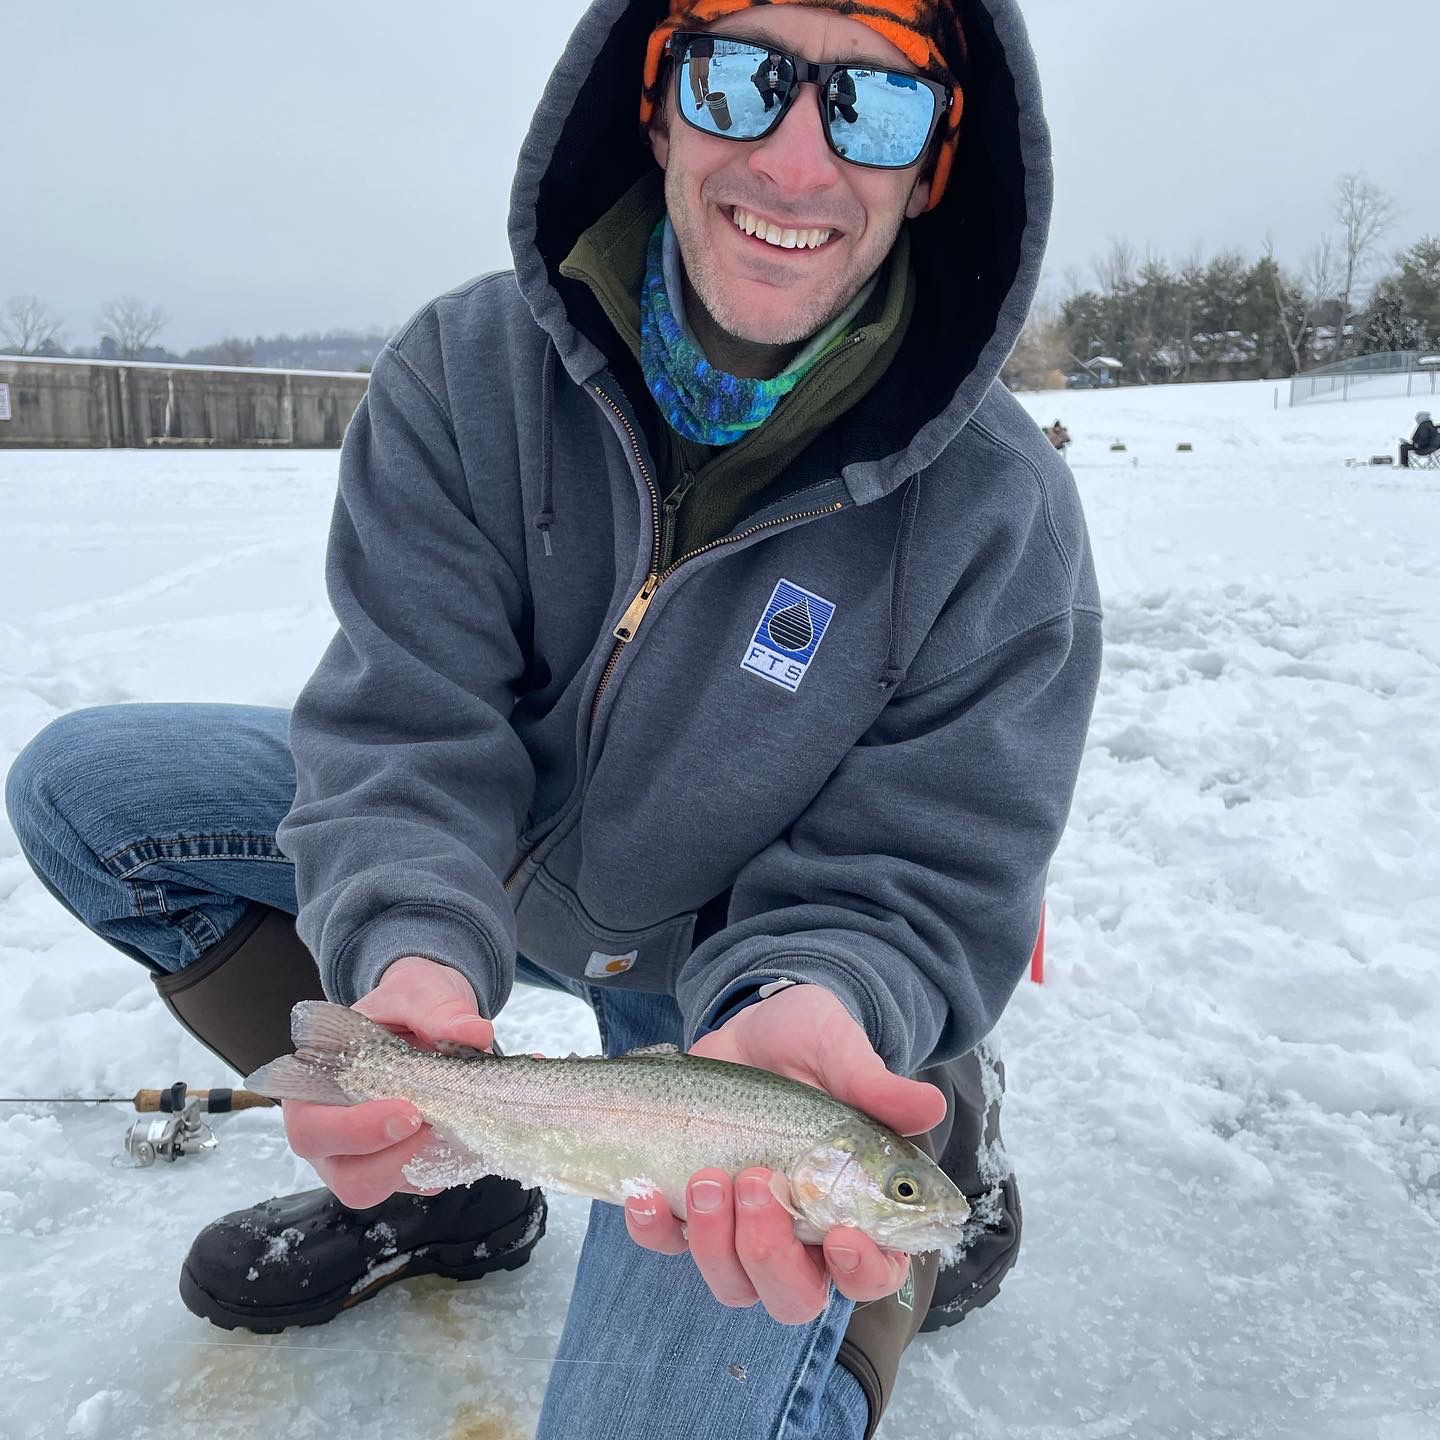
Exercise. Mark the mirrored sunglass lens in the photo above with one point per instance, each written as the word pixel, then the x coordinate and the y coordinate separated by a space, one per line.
pixel 879 117
pixel 733 89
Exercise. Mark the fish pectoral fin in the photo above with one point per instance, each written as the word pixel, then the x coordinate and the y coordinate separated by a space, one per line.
pixel 666 1049
pixel 780 1189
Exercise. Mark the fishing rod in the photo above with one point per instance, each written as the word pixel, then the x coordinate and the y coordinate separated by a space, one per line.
pixel 177 1131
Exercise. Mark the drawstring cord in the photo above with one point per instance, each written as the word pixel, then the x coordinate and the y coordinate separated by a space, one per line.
pixel 891 675
pixel 546 516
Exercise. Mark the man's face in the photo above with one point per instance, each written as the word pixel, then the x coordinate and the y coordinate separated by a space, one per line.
pixel 754 290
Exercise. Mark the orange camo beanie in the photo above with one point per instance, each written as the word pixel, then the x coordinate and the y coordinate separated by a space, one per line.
pixel 927 32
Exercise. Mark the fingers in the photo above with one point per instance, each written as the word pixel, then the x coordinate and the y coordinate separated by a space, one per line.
pixel 791 1282
pixel 650 1223
pixel 743 1242
pixel 428 1004
pixel 360 1181
pixel 860 1268
pixel 319 1132
pixel 710 1202
pixel 909 1107
pixel 359 1151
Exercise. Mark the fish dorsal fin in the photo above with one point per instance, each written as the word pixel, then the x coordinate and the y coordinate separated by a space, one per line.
pixel 666 1049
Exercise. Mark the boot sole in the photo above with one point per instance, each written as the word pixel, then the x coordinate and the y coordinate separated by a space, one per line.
pixel 450 1262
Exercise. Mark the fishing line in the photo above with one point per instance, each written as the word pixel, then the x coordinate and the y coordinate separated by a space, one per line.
pixel 262 1343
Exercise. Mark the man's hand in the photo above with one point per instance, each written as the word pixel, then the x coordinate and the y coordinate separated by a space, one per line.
pixel 742 1238
pixel 360 1151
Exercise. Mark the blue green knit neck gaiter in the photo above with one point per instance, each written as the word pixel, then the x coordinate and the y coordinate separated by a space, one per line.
pixel 699 401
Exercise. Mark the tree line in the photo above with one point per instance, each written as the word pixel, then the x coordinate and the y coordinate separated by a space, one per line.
pixel 129 330
pixel 1234 317
pixel 1229 317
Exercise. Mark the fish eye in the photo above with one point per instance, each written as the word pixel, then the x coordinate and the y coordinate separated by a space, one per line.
pixel 904 1188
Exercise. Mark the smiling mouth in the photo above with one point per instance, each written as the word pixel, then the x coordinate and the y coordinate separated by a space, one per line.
pixel 778 236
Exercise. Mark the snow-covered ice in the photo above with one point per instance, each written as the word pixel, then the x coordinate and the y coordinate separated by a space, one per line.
pixel 1225 1101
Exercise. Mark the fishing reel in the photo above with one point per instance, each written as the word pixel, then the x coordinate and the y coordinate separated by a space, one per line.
pixel 177 1131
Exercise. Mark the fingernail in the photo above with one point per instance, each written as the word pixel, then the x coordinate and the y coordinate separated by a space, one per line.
pixel 846 1261
pixel 706 1195
pixel 401 1126
pixel 641 1217
pixel 753 1191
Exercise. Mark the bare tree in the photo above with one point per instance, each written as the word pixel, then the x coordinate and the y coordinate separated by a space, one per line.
pixel 1297 303
pixel 27 326
pixel 1365 213
pixel 131 325
pixel 1116 270
pixel 1038 360
pixel 232 350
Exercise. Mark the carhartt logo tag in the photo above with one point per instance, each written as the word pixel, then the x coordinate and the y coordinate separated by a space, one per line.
pixel 599 966
pixel 788 635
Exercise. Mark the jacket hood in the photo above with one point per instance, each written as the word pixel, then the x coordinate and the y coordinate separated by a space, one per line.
pixel 977 255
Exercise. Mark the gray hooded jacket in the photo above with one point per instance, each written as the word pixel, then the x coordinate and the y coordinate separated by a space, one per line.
pixel 838 745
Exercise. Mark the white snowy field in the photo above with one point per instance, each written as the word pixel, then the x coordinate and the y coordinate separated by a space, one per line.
pixel 1225 1100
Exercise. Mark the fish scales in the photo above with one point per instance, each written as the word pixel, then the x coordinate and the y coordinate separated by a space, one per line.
pixel 609 1128
pixel 606 1121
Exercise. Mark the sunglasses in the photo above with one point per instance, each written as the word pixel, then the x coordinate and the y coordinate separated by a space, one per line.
pixel 879 118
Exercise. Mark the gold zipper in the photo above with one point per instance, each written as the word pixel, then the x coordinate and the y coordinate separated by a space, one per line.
pixel 624 632
pixel 635 613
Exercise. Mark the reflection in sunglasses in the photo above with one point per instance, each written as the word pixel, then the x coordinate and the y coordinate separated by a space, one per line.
pixel 740 91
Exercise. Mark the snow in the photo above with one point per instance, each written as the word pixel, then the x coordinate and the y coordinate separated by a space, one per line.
pixel 1224 1107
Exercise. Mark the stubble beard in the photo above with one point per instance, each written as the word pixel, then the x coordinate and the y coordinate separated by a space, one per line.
pixel 815 311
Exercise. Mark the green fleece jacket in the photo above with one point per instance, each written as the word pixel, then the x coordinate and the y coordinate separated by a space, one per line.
pixel 709 489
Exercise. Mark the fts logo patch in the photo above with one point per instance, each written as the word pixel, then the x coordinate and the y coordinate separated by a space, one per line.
pixel 788 635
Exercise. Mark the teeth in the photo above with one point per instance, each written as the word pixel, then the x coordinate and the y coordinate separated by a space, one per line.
pixel 774 235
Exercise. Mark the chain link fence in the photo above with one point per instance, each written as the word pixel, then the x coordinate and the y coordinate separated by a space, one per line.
pixel 1369 377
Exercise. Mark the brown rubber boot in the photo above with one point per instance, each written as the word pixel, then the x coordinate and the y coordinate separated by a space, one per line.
pixel 966 1145
pixel 237 997
pixel 303 1259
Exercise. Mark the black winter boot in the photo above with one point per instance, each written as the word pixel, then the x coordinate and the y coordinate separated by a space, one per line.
pixel 302 1259
pixel 966 1145
pixel 973 1157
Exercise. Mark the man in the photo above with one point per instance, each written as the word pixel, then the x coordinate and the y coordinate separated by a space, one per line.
pixel 700 58
pixel 772 78
pixel 717 643
pixel 1425 440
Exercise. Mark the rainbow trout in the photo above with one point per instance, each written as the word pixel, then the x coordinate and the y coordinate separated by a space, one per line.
pixel 636 1124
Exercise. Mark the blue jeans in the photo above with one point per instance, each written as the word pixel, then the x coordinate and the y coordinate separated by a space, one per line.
pixel 155 825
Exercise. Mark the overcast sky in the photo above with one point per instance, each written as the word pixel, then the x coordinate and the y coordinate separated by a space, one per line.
pixel 293 165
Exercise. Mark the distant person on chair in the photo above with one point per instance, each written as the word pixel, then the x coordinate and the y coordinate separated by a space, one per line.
pixel 1425 441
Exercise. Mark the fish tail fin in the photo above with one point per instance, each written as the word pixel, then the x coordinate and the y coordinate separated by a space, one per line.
pixel 322 1034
